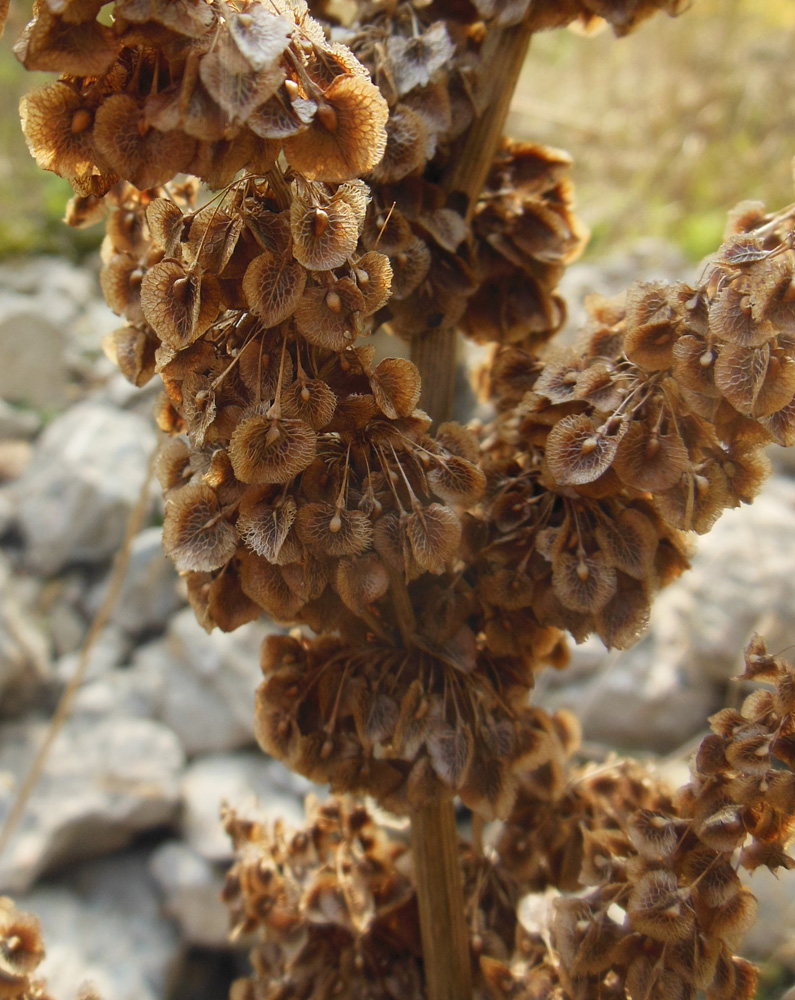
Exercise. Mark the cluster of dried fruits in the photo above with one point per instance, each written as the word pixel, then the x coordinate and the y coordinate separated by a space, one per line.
pixel 664 909
pixel 437 569
pixel 21 952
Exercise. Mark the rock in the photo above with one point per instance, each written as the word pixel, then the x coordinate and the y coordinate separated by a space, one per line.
pixel 150 591
pixel 36 374
pixel 740 582
pixel 244 781
pixel 16 422
pixel 207 697
pixel 105 781
pixel 772 937
pixel 191 887
pixel 85 477
pixel 103 922
pixel 24 650
pixel 639 700
pixel 67 285
pixel 109 650
pixel 128 693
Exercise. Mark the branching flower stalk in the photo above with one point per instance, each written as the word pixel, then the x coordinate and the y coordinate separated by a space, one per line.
pixel 358 181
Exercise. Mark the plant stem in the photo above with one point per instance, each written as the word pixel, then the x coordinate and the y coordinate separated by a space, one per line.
pixel 434 839
pixel 434 351
pixel 437 874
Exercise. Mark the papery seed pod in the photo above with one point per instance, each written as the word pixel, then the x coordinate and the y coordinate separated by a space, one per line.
pixel 271 449
pixel 334 531
pixel 650 460
pixel 166 225
pixel 360 581
pixel 310 400
pixel 265 585
pixel 695 502
pixel 260 35
pixel 53 44
pixel 739 374
pixel 263 527
pixel 140 154
pixel 196 534
pixel 324 235
pixel 323 318
pixel 273 285
pixel 346 138
pixel 373 276
pixel 451 750
pixel 583 583
pixel 212 239
pixel 133 351
pixel 21 950
pixel 658 909
pixel 653 834
pixel 628 542
pixel 58 125
pixel 404 150
pixel 263 368
pixel 457 481
pixel 578 452
pixel 186 17
pixel 434 533
pixel 395 384
pixel 179 304
pixel 232 81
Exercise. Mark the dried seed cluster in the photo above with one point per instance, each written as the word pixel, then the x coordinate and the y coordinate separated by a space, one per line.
pixel 437 570
pixel 332 906
pixel 185 86
pixel 667 910
pixel 652 425
pixel 21 952
pixel 649 903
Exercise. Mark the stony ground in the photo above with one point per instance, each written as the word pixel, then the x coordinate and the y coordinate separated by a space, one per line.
pixel 120 851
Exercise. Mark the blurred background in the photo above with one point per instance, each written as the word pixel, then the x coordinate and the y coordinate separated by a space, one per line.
pixel 668 128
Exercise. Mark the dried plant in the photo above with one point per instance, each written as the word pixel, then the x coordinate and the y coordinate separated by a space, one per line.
pixel 359 181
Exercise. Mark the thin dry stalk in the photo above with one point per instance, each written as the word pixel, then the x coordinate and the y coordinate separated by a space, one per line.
pixel 434 839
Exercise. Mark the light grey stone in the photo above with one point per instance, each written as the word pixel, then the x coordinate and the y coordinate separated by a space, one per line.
pixel 639 699
pixel 103 922
pixel 105 781
pixel 210 680
pixel 772 936
pixel 109 650
pixel 24 650
pixel 34 371
pixel 191 888
pixel 131 692
pixel 43 276
pixel 150 593
pixel 86 475
pixel 740 582
pixel 248 781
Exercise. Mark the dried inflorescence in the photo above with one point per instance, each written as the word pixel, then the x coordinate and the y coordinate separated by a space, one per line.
pixel 332 906
pixel 437 568
pixel 21 952
pixel 651 426
pixel 646 899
